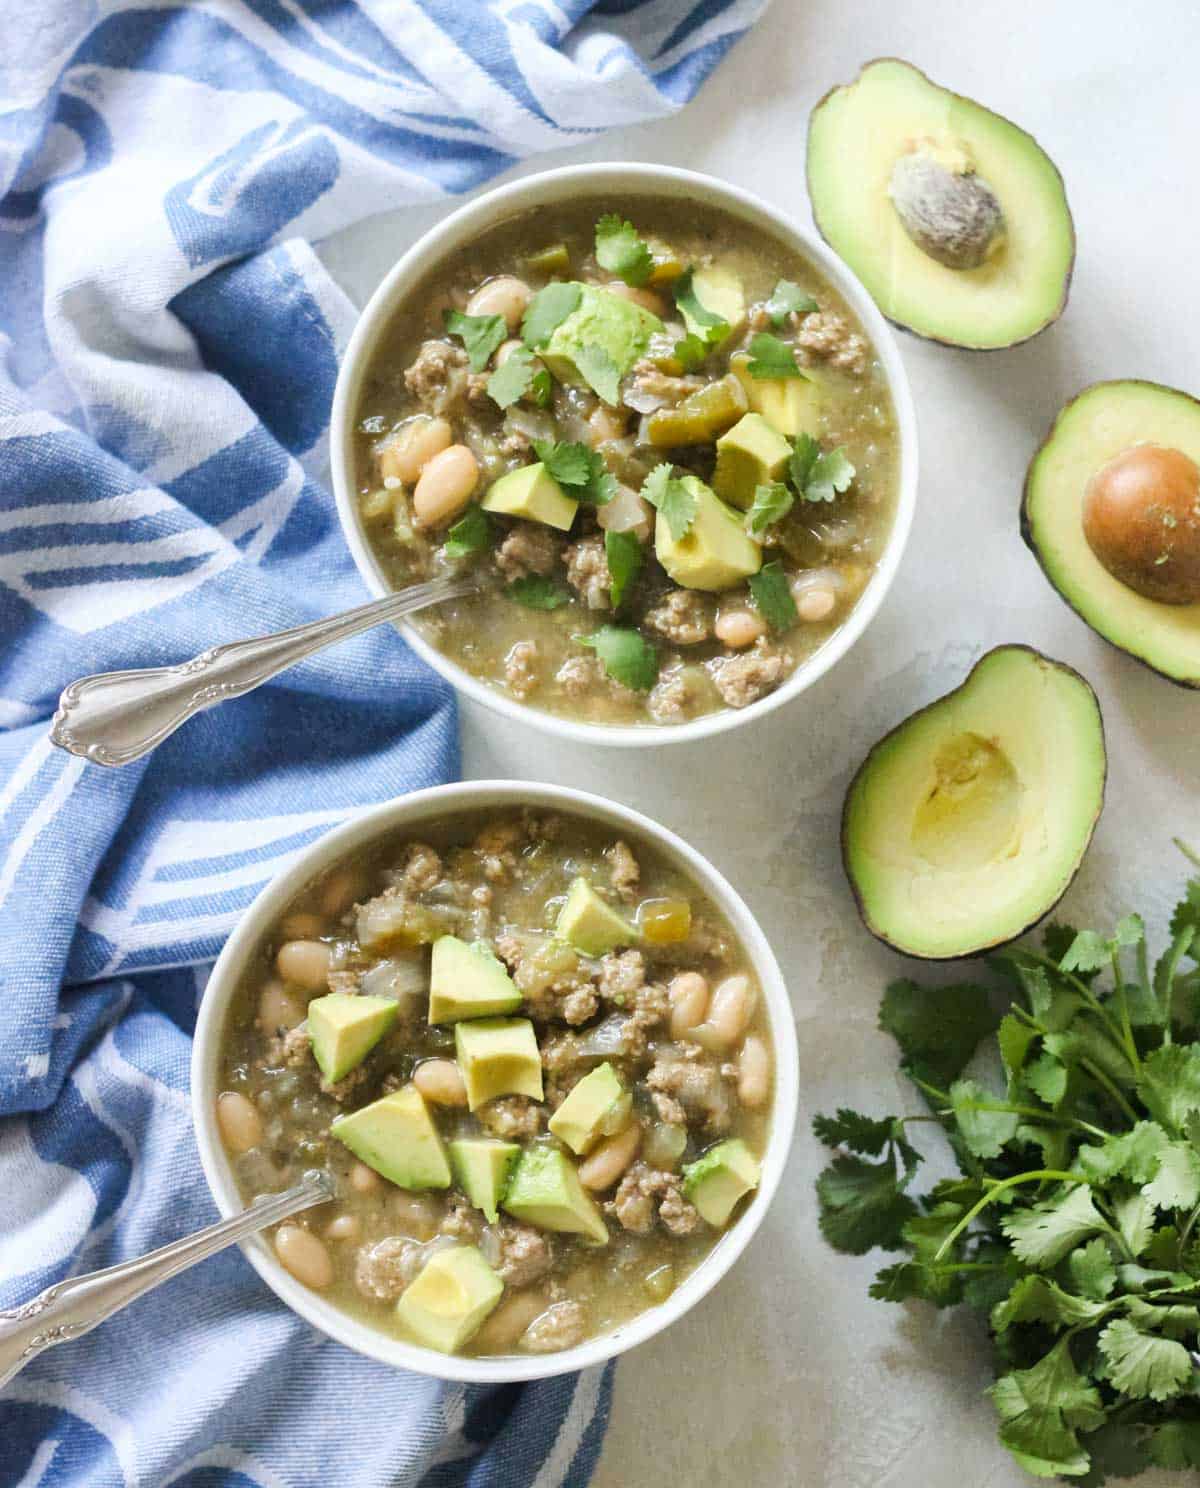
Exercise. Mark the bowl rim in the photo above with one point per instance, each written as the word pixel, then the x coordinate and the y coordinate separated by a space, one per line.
pixel 413 811
pixel 631 178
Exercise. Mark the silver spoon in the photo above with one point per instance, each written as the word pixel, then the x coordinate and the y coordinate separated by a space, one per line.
pixel 116 717
pixel 71 1308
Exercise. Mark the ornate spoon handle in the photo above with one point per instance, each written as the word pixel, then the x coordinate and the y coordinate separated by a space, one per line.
pixel 116 717
pixel 68 1309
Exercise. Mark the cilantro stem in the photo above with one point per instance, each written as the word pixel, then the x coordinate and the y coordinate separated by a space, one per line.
pixel 1110 1089
pixel 1185 1234
pixel 1039 1175
pixel 1082 988
pixel 1126 1025
pixel 1035 1114
pixel 1189 853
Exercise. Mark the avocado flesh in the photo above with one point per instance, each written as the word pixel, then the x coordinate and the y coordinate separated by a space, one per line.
pixel 397 1137
pixel 481 1168
pixel 1097 425
pixel 467 981
pixel 450 1299
pixel 855 136
pixel 966 824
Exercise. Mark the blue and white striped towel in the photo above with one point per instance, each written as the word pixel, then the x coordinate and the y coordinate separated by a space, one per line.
pixel 168 347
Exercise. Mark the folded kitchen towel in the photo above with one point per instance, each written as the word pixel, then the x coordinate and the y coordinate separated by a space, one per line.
pixel 168 347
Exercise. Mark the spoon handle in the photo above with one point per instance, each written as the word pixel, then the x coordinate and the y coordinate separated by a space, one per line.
pixel 114 718
pixel 68 1309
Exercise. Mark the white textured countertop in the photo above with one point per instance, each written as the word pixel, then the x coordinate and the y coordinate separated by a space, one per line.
pixel 789 1374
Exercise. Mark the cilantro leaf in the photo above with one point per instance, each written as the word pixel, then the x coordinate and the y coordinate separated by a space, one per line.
pixel 1092 1270
pixel 984 1129
pixel 600 373
pixel 937 1028
pixel 1047 1077
pixel 472 533
pixel 690 352
pixel 772 596
pixel 625 555
pixel 805 453
pixel 1186 915
pixel 771 358
pixel 671 497
pixel 862 1204
pixel 1117 1451
pixel 1134 1214
pixel 1042 1236
pixel 580 470
pixel 1170 1083
pixel 510 381
pixel 1175 1444
pixel 621 251
pixel 1133 1155
pixel 865 1134
pixel 712 328
pixel 547 310
pixel 627 656
pixel 1141 1365
pixel 1014 1038
pixel 788 299
pixel 1176 1181
pixel 1035 1299
pixel 1040 1411
pixel 480 335
pixel 772 502
pixel 1087 952
pixel 1177 1320
pixel 830 476
pixel 535 592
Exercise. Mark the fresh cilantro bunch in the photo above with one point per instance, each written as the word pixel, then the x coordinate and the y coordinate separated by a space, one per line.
pixel 1074 1221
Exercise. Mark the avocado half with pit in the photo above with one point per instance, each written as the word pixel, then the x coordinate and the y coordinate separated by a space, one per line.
pixel 1112 513
pixel 966 824
pixel 954 219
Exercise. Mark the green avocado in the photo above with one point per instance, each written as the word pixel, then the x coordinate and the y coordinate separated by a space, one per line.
pixel 343 1029
pixel 467 981
pixel 1104 423
pixel 751 454
pixel 716 1181
pixel 450 1299
pixel 604 323
pixel 598 1106
pixel 716 552
pixel 967 823
pixel 591 925
pixel 545 1191
pixel 534 494
pixel 397 1137
pixel 791 405
pixel 498 1056
pixel 955 220
pixel 720 292
pixel 481 1169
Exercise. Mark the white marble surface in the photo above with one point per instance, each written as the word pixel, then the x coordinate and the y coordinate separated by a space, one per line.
pixel 789 1374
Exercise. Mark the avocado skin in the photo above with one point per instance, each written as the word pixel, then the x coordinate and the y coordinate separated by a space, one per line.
pixel 962 97
pixel 1188 683
pixel 992 945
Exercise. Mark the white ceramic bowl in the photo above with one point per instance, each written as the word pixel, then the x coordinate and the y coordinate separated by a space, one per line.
pixel 617 183
pixel 412 814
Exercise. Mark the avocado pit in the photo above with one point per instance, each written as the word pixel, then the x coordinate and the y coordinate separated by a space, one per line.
pixel 1141 519
pixel 946 208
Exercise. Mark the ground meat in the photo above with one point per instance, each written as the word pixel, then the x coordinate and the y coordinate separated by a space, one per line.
pixel 621 975
pixel 422 867
pixel 687 1074
pixel 578 1006
pixel 344 1088
pixel 292 1049
pixel 669 1109
pixel 521 669
pixel 462 1221
pixel 563 1067
pixel 587 572
pixel 496 846
pixel 526 1255
pixel 439 378
pixel 826 335
pixel 647 1193
pixel 561 1326
pixel 623 869
pixel 578 675
pixel 512 1116
pixel 683 617
pixel 675 697
pixel 384 1269
pixel 342 981
pixel 759 318
pixel 648 381
pixel 528 549
pixel 555 983
pixel 744 679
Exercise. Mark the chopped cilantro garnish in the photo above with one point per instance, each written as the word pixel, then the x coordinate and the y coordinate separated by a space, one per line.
pixel 536 592
pixel 672 498
pixel 772 358
pixel 816 476
pixel 547 311
pixel 788 299
pixel 600 373
pixel 470 534
pixel 513 379
pixel 690 352
pixel 480 335
pixel 621 251
pixel 772 502
pixel 627 656
pixel 625 555
pixel 772 596
pixel 713 328
pixel 580 470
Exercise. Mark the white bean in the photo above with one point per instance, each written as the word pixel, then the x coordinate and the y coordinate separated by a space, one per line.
pixel 815 605
pixel 754 1072
pixel 605 1163
pixel 279 1008
pixel 303 925
pixel 404 457
pixel 509 1321
pixel 304 963
pixel 505 295
pixel 364 1179
pixel 646 298
pixel 239 1121
pixel 417 1213
pixel 739 627
pixel 729 1012
pixel 441 1081
pixel 446 485
pixel 688 994
pixel 340 891
pixel 344 1227
pixel 303 1255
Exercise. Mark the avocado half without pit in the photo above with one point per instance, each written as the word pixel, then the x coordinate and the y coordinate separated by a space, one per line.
pixel 1112 514
pixel 954 218
pixel 966 824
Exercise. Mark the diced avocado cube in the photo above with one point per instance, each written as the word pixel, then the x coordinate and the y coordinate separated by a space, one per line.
pixel 716 1181
pixel 498 1056
pixel 556 259
pixel 343 1028
pixel 450 1299
pixel 719 290
pixel 481 1169
pixel 604 321
pixel 751 454
pixel 589 924
pixel 716 552
pixel 702 416
pixel 545 1191
pixel 397 1137
pixel 467 981
pixel 532 493
pixel 791 405
pixel 597 1107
